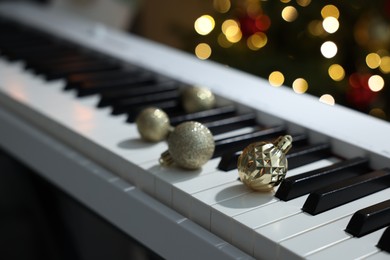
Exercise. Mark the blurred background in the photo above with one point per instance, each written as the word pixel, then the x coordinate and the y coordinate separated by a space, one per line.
pixel 337 51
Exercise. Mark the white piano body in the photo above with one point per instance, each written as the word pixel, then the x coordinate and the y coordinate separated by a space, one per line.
pixel 98 158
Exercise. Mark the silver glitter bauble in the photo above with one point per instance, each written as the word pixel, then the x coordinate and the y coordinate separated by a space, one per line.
pixel 263 165
pixel 190 146
pixel 153 124
pixel 195 99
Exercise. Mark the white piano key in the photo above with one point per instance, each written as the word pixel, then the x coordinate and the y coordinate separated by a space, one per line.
pixel 268 238
pixel 182 191
pixel 312 241
pixel 353 248
pixel 222 213
pixel 381 255
pixel 167 176
pixel 200 210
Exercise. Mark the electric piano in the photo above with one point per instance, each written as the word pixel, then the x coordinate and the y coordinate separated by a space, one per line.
pixel 69 92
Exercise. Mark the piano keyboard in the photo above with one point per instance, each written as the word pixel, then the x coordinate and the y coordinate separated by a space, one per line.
pixel 73 88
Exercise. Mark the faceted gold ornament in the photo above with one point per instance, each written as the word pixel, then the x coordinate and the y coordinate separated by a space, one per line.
pixel 190 146
pixel 263 165
pixel 195 99
pixel 153 124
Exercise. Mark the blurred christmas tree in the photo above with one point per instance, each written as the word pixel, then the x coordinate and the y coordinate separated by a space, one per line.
pixel 336 50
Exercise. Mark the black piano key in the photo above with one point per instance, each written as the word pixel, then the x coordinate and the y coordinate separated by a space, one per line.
pixel 57 59
pixel 231 123
pixel 32 52
pixel 203 116
pixel 384 241
pixel 110 97
pixel 298 185
pixel 100 86
pixel 369 219
pixel 300 156
pixel 78 67
pixel 296 157
pixel 129 104
pixel 236 143
pixel 346 191
pixel 167 106
pixel 77 80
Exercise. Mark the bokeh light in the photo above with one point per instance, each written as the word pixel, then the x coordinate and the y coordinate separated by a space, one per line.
pixel 330 11
pixel 203 51
pixel 257 41
pixel 330 24
pixel 329 49
pixel 300 85
pixel 376 83
pixel 289 13
pixel 222 6
pixel 336 72
pixel 204 24
pixel 373 60
pixel 327 99
pixel 385 64
pixel 276 79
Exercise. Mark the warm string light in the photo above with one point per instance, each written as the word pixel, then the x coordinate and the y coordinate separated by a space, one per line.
pixel 233 32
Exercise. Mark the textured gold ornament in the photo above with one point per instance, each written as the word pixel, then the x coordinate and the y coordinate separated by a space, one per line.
pixel 263 165
pixel 153 124
pixel 195 99
pixel 190 146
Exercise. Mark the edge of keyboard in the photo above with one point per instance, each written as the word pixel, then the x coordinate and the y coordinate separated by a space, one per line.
pixel 75 129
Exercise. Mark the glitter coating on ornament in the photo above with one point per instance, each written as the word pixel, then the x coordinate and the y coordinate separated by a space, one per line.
pixel 190 146
pixel 263 165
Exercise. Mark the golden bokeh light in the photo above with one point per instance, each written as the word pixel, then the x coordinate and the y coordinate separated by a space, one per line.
pixel 336 72
pixel 378 112
pixel 289 13
pixel 223 42
pixel 385 64
pixel 373 60
pixel 315 28
pixel 222 6
pixel 204 24
pixel 376 83
pixel 330 11
pixel 276 79
pixel 203 51
pixel 303 3
pixel 300 85
pixel 257 41
pixel 329 49
pixel 330 24
pixel 232 31
pixel 285 1
pixel 327 99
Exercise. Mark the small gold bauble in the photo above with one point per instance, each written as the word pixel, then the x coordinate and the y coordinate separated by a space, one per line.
pixel 195 99
pixel 153 124
pixel 263 165
pixel 190 146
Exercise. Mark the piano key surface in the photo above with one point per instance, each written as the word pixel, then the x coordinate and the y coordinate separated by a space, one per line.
pixel 259 224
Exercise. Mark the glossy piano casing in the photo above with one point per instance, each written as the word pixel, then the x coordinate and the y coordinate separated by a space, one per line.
pixel 99 159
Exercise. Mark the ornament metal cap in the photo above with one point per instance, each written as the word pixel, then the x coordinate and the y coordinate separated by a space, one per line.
pixel 190 146
pixel 263 165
